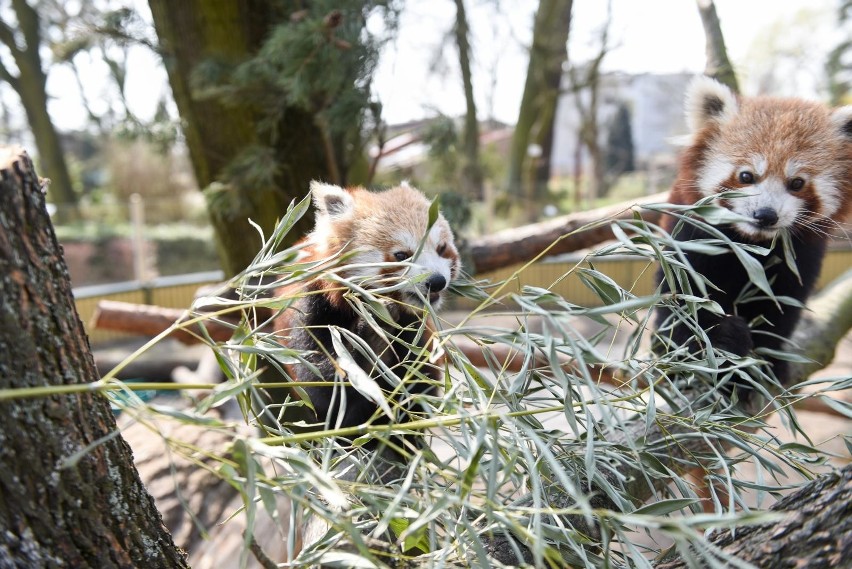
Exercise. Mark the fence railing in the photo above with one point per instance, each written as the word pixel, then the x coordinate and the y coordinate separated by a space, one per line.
pixel 630 273
pixel 170 292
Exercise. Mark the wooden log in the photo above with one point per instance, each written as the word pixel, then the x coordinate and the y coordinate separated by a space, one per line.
pixel 147 320
pixel 563 234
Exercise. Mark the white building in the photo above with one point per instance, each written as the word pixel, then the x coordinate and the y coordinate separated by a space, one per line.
pixel 657 118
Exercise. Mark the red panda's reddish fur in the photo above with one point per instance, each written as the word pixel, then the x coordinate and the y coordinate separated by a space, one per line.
pixel 792 160
pixel 782 128
pixel 372 227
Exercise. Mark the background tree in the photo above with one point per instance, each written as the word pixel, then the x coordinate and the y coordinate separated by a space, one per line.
pixel 471 171
pixel 272 96
pixel 839 64
pixel 618 157
pixel 23 39
pixel 718 64
pixel 537 111
pixel 105 34
pixel 586 85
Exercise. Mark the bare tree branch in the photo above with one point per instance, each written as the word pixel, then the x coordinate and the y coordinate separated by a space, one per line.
pixel 718 65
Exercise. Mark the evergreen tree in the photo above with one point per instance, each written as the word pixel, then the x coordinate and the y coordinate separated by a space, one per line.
pixel 619 144
pixel 273 94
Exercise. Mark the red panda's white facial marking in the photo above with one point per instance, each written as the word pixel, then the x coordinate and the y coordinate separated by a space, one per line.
pixel 769 205
pixel 790 158
pixel 386 227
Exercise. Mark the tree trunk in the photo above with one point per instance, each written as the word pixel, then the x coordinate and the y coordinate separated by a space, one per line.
pixel 471 173
pixel 226 33
pixel 816 531
pixel 589 129
pixel 69 493
pixel 30 84
pixel 541 89
pixel 718 65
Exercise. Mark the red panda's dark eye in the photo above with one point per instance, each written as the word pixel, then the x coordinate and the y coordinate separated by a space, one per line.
pixel 795 184
pixel 746 178
pixel 401 255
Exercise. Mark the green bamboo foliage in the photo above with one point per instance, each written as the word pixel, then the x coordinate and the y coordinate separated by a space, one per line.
pixel 542 456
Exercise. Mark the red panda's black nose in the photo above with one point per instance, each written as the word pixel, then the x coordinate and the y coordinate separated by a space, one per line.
pixel 435 283
pixel 765 217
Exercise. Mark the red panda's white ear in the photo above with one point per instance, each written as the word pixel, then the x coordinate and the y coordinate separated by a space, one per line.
pixel 708 101
pixel 331 200
pixel 842 117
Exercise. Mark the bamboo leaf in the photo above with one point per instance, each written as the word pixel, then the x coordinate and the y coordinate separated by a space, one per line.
pixel 665 507
pixel 357 377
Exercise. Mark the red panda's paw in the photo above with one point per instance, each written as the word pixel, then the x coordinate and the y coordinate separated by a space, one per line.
pixel 732 334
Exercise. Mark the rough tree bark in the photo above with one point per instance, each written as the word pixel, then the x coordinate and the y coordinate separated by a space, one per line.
pixel 69 493
pixel 816 531
pixel 718 65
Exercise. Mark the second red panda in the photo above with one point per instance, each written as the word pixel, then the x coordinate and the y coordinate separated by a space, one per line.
pixel 377 230
pixel 793 161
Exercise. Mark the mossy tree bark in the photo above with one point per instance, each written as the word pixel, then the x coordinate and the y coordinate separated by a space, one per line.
pixel 471 174
pixel 541 93
pixel 223 33
pixel 31 85
pixel 718 65
pixel 69 493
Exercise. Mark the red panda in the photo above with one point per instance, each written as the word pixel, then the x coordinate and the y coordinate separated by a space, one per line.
pixel 393 246
pixel 793 161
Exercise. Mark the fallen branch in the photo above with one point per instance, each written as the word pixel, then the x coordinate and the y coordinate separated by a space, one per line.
pixel 147 320
pixel 826 325
pixel 555 236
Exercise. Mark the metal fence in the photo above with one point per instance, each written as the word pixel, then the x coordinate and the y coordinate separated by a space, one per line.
pixel 169 292
pixel 635 275
pixel 556 275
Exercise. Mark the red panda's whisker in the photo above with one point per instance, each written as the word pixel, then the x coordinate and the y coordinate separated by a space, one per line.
pixel 750 145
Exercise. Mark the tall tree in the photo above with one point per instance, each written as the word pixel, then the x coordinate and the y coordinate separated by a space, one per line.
pixel 272 94
pixel 69 493
pixel 618 157
pixel 471 170
pixel 24 41
pixel 106 34
pixel 534 128
pixel 718 65
pixel 839 63
pixel 586 86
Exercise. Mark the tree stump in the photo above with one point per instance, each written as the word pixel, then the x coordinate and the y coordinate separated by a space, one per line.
pixel 69 493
